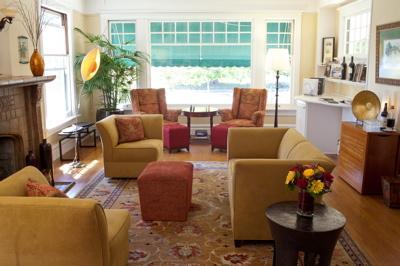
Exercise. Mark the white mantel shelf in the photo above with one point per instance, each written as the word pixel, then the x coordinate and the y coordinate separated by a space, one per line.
pixel 23 81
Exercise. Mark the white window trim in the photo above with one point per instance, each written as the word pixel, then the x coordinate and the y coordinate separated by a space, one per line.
pixel 346 11
pixel 258 45
pixel 49 131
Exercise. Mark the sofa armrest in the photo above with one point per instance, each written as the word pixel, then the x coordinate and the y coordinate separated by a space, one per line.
pixel 14 185
pixel 109 135
pixel 153 126
pixel 173 115
pixel 254 142
pixel 258 118
pixel 226 114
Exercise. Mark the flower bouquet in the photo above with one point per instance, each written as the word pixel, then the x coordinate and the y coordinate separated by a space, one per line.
pixel 313 181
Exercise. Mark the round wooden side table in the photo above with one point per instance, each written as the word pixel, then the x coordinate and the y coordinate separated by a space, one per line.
pixel 316 236
pixel 200 112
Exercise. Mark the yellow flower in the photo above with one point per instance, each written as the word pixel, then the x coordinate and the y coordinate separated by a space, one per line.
pixel 321 169
pixel 308 173
pixel 290 177
pixel 316 186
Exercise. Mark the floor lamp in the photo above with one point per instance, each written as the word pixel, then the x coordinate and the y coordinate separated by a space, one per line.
pixel 89 67
pixel 277 61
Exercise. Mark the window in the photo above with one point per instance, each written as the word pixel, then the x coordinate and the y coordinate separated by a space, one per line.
pixel 279 35
pixel 122 33
pixel 357 35
pixel 59 95
pixel 199 62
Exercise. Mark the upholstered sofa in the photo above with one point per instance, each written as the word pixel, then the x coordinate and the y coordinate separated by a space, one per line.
pixel 129 159
pixel 58 231
pixel 259 160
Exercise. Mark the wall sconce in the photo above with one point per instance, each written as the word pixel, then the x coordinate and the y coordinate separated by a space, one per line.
pixel 9 16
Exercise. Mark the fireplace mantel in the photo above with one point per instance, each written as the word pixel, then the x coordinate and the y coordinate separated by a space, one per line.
pixel 31 113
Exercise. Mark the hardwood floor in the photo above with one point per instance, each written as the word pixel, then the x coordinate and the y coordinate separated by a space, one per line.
pixel 372 225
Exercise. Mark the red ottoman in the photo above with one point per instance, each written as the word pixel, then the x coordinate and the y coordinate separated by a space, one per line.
pixel 165 191
pixel 219 135
pixel 176 136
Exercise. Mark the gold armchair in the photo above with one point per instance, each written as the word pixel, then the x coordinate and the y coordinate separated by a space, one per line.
pixel 129 159
pixel 248 108
pixel 152 101
pixel 58 231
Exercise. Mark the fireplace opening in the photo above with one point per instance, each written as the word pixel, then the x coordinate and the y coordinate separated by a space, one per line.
pixel 11 154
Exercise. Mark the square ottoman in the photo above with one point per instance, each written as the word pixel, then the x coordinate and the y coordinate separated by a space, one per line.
pixel 176 136
pixel 219 136
pixel 165 191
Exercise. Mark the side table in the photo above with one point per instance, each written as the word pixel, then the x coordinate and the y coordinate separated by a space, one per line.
pixel 316 236
pixel 78 132
pixel 200 112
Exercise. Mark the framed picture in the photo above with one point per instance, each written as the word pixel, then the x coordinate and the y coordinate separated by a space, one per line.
pixel 328 49
pixel 388 54
pixel 23 49
pixel 336 71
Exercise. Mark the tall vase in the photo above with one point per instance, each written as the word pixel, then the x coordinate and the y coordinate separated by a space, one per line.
pixel 305 205
pixel 37 63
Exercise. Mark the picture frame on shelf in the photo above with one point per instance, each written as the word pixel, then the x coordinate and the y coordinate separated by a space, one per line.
pixel 388 54
pixel 336 71
pixel 23 52
pixel 328 49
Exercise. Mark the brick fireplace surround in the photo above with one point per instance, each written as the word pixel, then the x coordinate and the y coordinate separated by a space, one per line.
pixel 20 110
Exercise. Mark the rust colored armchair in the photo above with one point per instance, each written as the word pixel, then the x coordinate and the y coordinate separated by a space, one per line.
pixel 152 101
pixel 248 108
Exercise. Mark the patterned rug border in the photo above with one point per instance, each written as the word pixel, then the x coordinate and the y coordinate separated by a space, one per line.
pixel 345 240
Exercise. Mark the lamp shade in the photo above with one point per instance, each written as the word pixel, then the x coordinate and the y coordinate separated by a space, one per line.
pixel 90 64
pixel 277 59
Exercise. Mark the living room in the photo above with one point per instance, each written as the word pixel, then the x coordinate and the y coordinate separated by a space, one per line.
pixel 199 132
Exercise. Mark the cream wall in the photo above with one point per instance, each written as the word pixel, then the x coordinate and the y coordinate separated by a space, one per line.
pixel 308 45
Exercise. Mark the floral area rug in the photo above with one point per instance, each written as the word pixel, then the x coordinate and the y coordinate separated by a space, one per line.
pixel 206 237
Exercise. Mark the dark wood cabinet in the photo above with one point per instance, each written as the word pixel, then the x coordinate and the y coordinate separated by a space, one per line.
pixel 364 157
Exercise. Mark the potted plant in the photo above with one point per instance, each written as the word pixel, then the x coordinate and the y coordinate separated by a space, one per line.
pixel 119 68
pixel 312 181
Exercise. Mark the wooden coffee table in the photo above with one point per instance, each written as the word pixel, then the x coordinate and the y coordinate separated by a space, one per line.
pixel 293 233
pixel 200 112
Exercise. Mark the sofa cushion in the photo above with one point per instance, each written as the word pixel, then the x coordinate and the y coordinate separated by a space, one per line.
pixel 289 141
pixel 118 222
pixel 129 129
pixel 34 189
pixel 306 151
pixel 140 151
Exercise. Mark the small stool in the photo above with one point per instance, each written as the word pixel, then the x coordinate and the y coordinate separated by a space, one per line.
pixel 176 136
pixel 391 191
pixel 165 191
pixel 219 136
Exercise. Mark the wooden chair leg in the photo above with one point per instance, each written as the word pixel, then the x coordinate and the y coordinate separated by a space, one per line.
pixel 238 243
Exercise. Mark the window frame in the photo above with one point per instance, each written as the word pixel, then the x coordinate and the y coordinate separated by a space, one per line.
pixel 258 42
pixel 67 14
pixel 346 12
pixel 123 33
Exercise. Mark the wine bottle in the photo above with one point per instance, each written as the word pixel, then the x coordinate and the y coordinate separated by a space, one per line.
pixel 344 68
pixel 352 67
pixel 384 115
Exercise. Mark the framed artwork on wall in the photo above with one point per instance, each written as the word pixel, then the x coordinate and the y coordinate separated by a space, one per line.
pixel 388 54
pixel 23 49
pixel 328 49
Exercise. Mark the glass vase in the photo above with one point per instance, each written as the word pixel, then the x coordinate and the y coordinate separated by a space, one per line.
pixel 305 207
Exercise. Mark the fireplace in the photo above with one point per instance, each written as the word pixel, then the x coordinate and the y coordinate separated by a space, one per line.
pixel 11 154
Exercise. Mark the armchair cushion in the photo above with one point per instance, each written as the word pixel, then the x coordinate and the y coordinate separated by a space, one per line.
pixel 249 103
pixel 239 123
pixel 226 114
pixel 34 189
pixel 139 151
pixel 148 101
pixel 129 129
pixel 172 115
pixel 118 222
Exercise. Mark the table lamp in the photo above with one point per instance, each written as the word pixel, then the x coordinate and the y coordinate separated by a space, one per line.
pixel 277 60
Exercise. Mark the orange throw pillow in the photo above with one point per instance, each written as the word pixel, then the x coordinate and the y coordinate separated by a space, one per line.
pixel 34 189
pixel 129 129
